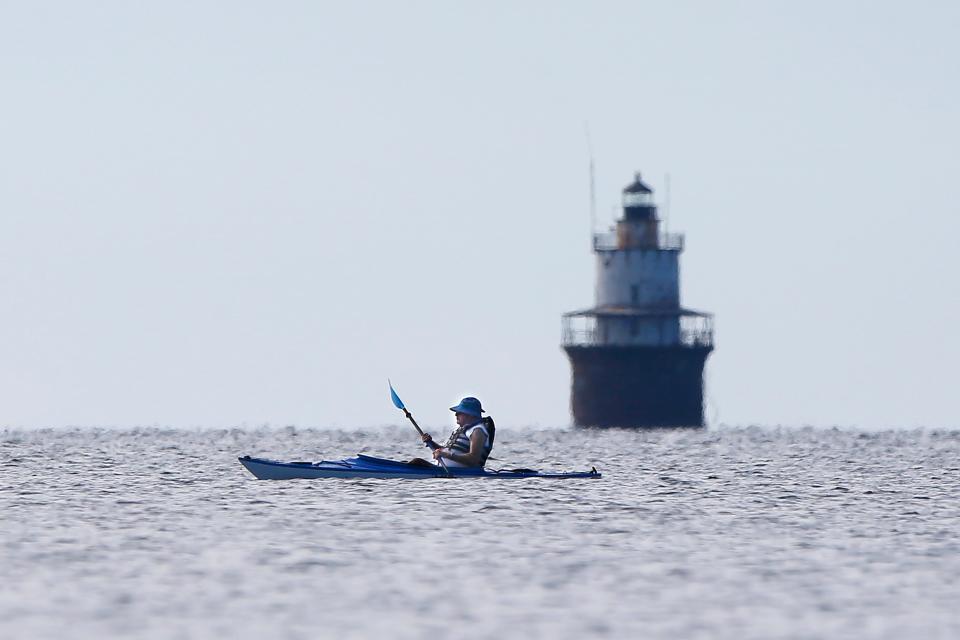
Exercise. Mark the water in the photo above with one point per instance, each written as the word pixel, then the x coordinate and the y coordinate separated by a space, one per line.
pixel 727 533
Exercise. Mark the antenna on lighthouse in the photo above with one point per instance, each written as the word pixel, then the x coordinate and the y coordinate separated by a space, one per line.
pixel 593 188
pixel 666 205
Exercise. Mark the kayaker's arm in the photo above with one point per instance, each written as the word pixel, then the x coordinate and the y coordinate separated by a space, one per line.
pixel 428 440
pixel 473 458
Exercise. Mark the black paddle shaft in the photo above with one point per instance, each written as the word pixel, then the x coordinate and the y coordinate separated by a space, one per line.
pixel 430 444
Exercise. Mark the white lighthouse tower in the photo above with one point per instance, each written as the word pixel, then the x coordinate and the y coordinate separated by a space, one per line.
pixel 637 355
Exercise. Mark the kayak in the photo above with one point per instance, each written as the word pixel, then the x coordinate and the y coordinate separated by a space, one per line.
pixel 369 467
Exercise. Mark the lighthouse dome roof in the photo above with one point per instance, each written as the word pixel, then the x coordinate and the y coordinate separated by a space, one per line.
pixel 637 186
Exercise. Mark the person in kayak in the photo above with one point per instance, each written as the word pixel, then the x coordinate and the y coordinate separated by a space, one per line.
pixel 470 443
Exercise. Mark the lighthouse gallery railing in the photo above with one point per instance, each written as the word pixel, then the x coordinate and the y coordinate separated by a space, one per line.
pixel 608 241
pixel 585 331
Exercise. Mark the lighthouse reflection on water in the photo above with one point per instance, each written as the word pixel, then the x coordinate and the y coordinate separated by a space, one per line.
pixel 637 355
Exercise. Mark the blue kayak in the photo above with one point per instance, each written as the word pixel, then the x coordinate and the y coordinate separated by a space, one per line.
pixel 369 467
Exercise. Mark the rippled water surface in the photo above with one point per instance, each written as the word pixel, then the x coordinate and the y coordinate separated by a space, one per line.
pixel 725 533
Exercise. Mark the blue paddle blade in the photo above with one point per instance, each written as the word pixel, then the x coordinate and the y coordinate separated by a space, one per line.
pixel 396 399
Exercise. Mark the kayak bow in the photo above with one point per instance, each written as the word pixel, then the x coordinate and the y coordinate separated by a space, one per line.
pixel 369 467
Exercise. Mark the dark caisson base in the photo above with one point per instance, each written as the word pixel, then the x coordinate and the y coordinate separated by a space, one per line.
pixel 637 386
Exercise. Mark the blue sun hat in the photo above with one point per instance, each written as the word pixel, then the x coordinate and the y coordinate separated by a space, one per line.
pixel 470 406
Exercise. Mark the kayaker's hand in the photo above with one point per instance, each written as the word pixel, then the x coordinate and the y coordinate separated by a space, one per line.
pixel 439 453
pixel 426 437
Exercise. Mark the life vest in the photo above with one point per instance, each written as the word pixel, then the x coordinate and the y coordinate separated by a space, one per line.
pixel 459 440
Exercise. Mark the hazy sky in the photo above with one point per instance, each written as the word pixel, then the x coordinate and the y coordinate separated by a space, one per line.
pixel 226 213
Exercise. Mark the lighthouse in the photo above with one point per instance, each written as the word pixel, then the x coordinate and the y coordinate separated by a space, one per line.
pixel 637 355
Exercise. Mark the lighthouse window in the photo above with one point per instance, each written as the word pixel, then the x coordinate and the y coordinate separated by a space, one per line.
pixel 637 199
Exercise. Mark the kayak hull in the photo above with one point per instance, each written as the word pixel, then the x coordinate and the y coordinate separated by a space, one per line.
pixel 369 467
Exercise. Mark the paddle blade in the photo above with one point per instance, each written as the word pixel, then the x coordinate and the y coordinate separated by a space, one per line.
pixel 397 402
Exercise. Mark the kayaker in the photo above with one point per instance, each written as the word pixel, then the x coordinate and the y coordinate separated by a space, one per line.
pixel 470 443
